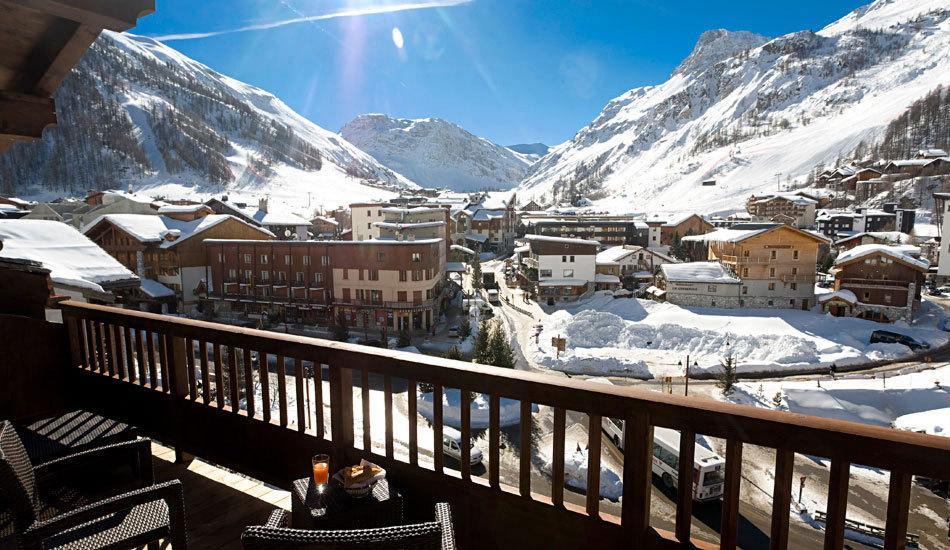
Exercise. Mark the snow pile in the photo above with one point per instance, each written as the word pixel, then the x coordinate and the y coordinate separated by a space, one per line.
pixel 698 272
pixel 913 400
pixel 72 258
pixel 576 463
pixel 509 411
pixel 645 339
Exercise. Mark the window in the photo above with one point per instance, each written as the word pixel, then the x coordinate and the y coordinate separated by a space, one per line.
pixel 346 273
pixel 281 276
pixel 545 273
pixel 288 260
pixel 299 277
pixel 369 225
pixel 376 296
pixel 887 298
pixel 771 286
pixel 373 274
pixel 745 290
pixel 867 295
pixel 563 259
pixel 568 273
pixel 401 295
pixel 248 275
pixel 346 294
pixel 402 276
pixel 712 303
pixel 360 273
pixel 770 302
pixel 710 288
pixel 306 260
pixel 745 271
pixel 416 257
pixel 232 273
pixel 416 274
pixel 220 257
pixel 378 213
pixel 791 303
pixel 247 258
pixel 417 296
pixel 360 293
pixel 773 254
pixel 771 272
pixel 572 259
pixel 318 278
pixel 380 256
pixel 324 260
pixel 745 253
pixel 794 254
pixel 794 271
pixel 794 286
pixel 265 275
pixel 264 259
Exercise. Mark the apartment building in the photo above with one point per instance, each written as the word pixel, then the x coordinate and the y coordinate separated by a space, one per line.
pixel 631 263
pixel 490 226
pixel 166 252
pixel 608 230
pixel 699 284
pixel 876 282
pixel 559 268
pixel 362 217
pixel 776 263
pixel 383 284
pixel 414 223
pixel 284 225
pixel 785 208
pixel 842 223
pixel 664 230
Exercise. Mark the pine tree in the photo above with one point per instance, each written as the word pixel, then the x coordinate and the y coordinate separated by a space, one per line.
pixel 726 380
pixel 340 331
pixel 481 342
pixel 477 283
pixel 465 327
pixel 405 339
pixel 454 353
pixel 499 350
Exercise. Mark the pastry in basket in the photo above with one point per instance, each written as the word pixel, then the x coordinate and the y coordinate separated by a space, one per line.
pixel 358 475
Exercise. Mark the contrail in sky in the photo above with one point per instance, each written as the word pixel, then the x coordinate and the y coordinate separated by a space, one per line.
pixel 352 12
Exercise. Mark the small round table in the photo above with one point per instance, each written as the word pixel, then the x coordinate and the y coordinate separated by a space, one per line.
pixel 335 509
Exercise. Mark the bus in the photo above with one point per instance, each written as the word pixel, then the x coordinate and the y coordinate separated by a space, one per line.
pixel 708 467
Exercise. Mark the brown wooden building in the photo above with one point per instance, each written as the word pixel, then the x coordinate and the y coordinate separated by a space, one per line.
pixel 876 282
pixel 165 250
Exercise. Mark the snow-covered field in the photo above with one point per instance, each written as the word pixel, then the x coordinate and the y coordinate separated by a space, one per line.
pixel 607 336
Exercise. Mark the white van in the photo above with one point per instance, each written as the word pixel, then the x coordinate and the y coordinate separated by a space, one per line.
pixel 708 467
pixel 493 297
pixel 452 446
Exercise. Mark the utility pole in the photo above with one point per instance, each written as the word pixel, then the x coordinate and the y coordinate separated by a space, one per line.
pixel 801 487
pixel 778 181
pixel 686 389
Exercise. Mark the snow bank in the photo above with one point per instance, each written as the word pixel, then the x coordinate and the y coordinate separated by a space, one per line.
pixel 576 464
pixel 509 411
pixel 644 339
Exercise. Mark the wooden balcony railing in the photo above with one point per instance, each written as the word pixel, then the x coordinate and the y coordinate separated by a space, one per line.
pixel 146 365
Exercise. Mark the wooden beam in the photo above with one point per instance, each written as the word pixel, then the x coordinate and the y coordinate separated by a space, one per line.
pixel 65 60
pixel 24 116
pixel 101 14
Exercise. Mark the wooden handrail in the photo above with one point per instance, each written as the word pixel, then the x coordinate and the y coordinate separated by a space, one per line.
pixel 840 441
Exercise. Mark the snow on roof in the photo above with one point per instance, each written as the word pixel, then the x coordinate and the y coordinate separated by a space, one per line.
pixel 407 225
pixel 791 197
pixel 565 240
pixel 895 252
pixel 278 218
pixel 461 248
pixel 605 278
pixel 70 256
pixel 524 248
pixel 476 237
pixel 912 162
pixel 181 208
pixel 612 255
pixel 562 282
pixel 677 219
pixel 455 267
pixel 156 289
pixel 889 236
pixel 148 228
pixel 843 294
pixel 932 152
pixel 412 209
pixel 698 272
pixel 725 235
pixel 484 214
pixel 325 219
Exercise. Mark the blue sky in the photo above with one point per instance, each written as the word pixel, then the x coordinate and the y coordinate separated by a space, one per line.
pixel 513 71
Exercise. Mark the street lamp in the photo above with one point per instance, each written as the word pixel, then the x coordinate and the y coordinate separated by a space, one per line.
pixel 680 364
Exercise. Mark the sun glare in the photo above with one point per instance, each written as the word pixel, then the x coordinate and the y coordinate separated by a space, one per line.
pixel 397 38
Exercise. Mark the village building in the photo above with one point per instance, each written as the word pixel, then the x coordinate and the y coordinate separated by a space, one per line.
pixel 43 211
pixel 531 206
pixel 776 263
pixel 362 217
pixel 699 284
pixel 665 231
pixel 876 282
pixel 843 223
pixel 490 226
pixel 633 265
pixel 384 284
pixel 606 229
pixel 101 203
pixel 77 268
pixel 561 269
pixel 931 153
pixel 165 251
pixel 325 228
pixel 784 208
pixel 415 223
pixel 283 225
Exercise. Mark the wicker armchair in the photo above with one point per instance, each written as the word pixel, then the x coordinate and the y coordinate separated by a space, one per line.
pixel 432 535
pixel 34 497
pixel 69 432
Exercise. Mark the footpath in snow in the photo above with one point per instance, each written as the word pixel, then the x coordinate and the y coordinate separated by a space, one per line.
pixel 645 339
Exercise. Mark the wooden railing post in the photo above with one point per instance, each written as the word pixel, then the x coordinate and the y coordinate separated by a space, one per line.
pixel 637 474
pixel 178 386
pixel 341 413
pixel 72 330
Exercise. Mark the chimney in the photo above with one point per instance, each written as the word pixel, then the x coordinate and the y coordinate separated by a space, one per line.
pixel 262 204
pixel 171 235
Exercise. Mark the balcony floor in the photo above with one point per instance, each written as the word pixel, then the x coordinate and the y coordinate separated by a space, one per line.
pixel 218 502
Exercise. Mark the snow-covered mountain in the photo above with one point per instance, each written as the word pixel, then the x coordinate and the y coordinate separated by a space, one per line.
pixel 136 112
pixel 746 110
pixel 436 153
pixel 535 150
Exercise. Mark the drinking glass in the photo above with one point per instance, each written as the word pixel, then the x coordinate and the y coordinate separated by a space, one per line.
pixel 321 471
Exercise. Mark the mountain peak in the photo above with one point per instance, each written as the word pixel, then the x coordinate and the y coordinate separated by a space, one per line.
pixel 718 44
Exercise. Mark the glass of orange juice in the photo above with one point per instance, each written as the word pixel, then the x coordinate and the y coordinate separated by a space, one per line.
pixel 321 471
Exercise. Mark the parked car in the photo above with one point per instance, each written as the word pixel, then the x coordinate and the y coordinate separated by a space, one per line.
pixel 934 292
pixel 454 331
pixel 452 446
pixel 888 337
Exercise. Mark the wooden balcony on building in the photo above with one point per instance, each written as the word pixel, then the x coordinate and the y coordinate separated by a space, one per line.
pixel 744 260
pixel 142 368
pixel 884 284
